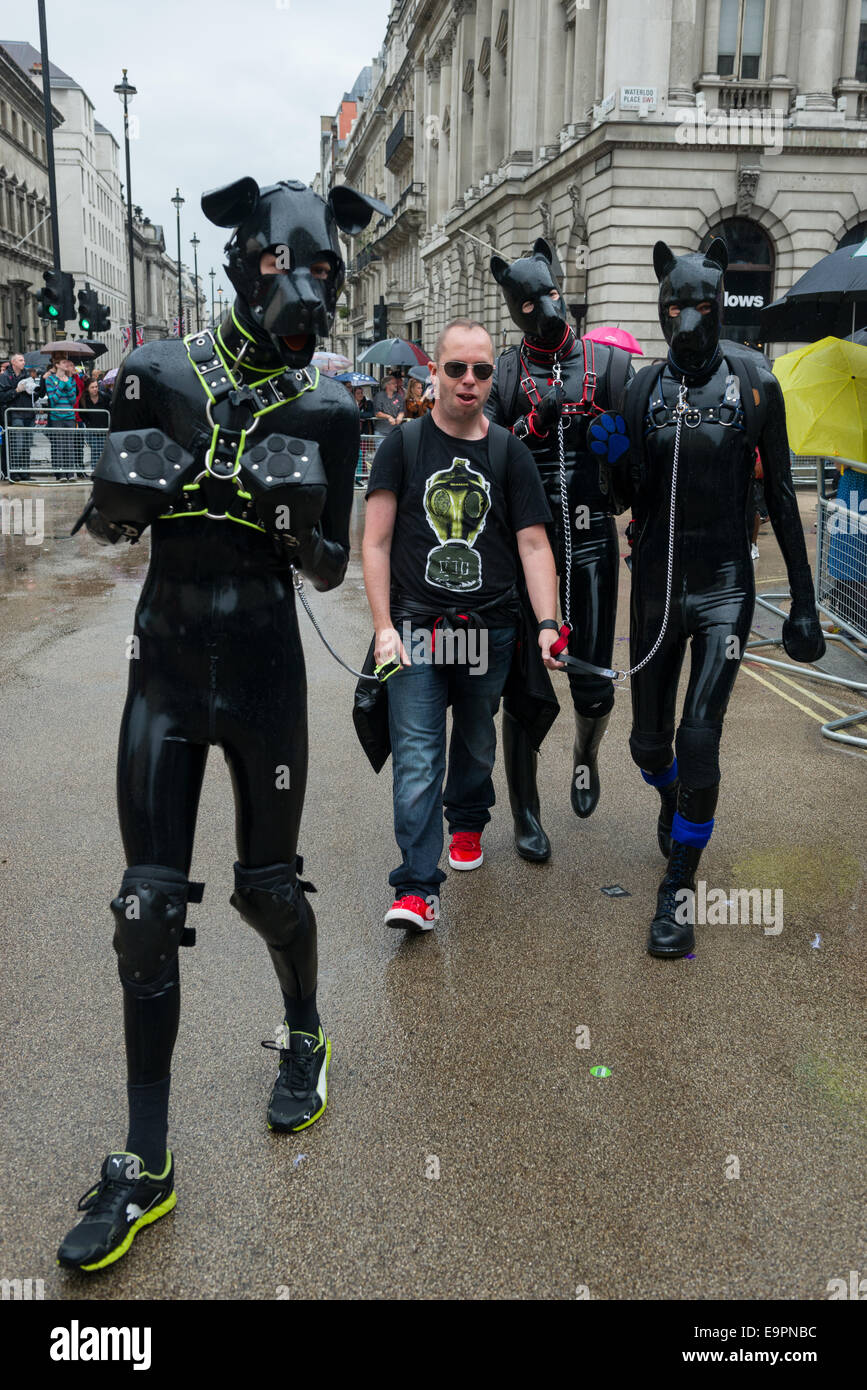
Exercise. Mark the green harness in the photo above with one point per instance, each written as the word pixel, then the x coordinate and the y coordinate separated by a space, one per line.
pixel 208 355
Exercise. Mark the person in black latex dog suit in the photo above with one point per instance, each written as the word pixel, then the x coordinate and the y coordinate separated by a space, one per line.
pixel 728 402
pixel 242 460
pixel 556 376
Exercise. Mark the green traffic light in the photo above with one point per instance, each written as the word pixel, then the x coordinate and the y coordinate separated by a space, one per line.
pixel 85 323
pixel 52 311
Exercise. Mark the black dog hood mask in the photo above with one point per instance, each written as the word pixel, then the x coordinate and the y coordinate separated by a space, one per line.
pixel 293 307
pixel 687 281
pixel 531 278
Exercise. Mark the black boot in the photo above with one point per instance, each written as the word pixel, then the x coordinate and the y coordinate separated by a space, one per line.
pixel 588 736
pixel 672 931
pixel 520 759
pixel 668 797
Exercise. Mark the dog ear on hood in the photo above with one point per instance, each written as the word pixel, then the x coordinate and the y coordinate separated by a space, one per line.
pixel 542 248
pixel 718 253
pixel 499 269
pixel 663 259
pixel 232 204
pixel 353 210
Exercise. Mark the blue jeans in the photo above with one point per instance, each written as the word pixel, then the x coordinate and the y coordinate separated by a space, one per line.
pixel 417 700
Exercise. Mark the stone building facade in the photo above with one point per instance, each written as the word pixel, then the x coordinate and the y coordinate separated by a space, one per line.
pixel 156 284
pixel 25 230
pixel 604 125
pixel 89 202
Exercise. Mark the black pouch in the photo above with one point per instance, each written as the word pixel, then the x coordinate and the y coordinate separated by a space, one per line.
pixel 287 480
pixel 370 714
pixel 140 476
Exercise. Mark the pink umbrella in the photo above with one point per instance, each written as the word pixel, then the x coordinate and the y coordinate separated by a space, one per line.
pixel 616 337
pixel 330 362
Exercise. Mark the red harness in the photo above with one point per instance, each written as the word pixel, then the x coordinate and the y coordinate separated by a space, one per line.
pixel 587 404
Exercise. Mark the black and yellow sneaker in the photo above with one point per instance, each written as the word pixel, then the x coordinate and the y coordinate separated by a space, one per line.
pixel 125 1200
pixel 300 1092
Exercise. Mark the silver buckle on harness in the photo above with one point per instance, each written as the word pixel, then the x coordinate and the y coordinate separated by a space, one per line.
pixel 251 429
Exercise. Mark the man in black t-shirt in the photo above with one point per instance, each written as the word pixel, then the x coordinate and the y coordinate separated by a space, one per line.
pixel 454 504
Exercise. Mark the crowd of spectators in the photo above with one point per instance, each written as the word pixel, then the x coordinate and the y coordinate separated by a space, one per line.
pixel 62 396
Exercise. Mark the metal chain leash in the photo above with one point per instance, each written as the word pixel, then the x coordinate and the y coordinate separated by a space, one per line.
pixel 564 502
pixel 679 411
pixel 298 584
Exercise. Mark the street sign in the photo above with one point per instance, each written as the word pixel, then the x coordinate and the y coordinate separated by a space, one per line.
pixel 604 107
pixel 634 98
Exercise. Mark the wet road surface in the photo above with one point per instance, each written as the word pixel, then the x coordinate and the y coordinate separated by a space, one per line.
pixel 468 1150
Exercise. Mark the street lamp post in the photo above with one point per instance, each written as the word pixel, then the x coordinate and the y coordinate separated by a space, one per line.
pixel 195 243
pixel 177 204
pixel 213 275
pixel 220 297
pixel 126 92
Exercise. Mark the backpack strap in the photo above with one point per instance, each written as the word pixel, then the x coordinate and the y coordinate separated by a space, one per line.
pixel 615 377
pixel 498 453
pixel 753 401
pixel 410 438
pixel 638 398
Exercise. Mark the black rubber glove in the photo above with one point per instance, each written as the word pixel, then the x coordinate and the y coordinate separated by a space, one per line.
pixel 321 561
pixel 544 416
pixel 803 638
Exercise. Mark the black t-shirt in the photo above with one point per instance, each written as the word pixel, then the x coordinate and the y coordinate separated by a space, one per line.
pixel 454 533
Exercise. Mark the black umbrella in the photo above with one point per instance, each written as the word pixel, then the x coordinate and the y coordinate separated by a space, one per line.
pixel 394 352
pixel 96 347
pixel 823 303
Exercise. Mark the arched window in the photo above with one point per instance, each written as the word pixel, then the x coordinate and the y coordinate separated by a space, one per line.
pixel 857 235
pixel 749 278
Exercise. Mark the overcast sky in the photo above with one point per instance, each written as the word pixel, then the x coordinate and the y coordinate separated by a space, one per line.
pixel 224 89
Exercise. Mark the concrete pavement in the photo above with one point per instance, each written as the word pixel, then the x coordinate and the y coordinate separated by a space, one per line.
pixel 468 1150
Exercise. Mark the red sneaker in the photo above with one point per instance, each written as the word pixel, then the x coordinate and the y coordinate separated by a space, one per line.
pixel 465 850
pixel 411 911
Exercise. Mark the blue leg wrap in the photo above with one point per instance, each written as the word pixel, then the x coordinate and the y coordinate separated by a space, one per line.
pixel 662 779
pixel 691 832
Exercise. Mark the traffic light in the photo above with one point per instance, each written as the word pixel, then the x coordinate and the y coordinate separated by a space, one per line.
pixel 56 302
pixel 92 316
pixel 380 320
pixel 88 309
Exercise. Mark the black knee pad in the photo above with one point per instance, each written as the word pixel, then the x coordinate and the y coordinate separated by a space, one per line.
pixel 652 752
pixel 698 752
pixel 591 697
pixel 271 899
pixel 149 913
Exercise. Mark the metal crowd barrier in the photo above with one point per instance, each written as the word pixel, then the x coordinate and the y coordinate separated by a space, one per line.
pixel 62 451
pixel 841 590
pixel 369 445
pixel 805 466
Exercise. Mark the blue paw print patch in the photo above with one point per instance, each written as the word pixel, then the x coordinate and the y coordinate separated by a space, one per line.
pixel 608 436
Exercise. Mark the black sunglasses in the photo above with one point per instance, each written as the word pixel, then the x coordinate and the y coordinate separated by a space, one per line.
pixel 481 370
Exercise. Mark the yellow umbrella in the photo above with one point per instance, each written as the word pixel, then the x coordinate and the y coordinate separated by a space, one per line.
pixel 825 390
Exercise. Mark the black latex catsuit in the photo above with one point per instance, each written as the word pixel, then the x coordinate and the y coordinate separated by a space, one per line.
pixel 595 551
pixel 525 398
pixel 713 585
pixel 220 661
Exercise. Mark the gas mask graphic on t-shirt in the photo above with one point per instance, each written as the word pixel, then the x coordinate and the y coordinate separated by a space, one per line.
pixel 456 503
